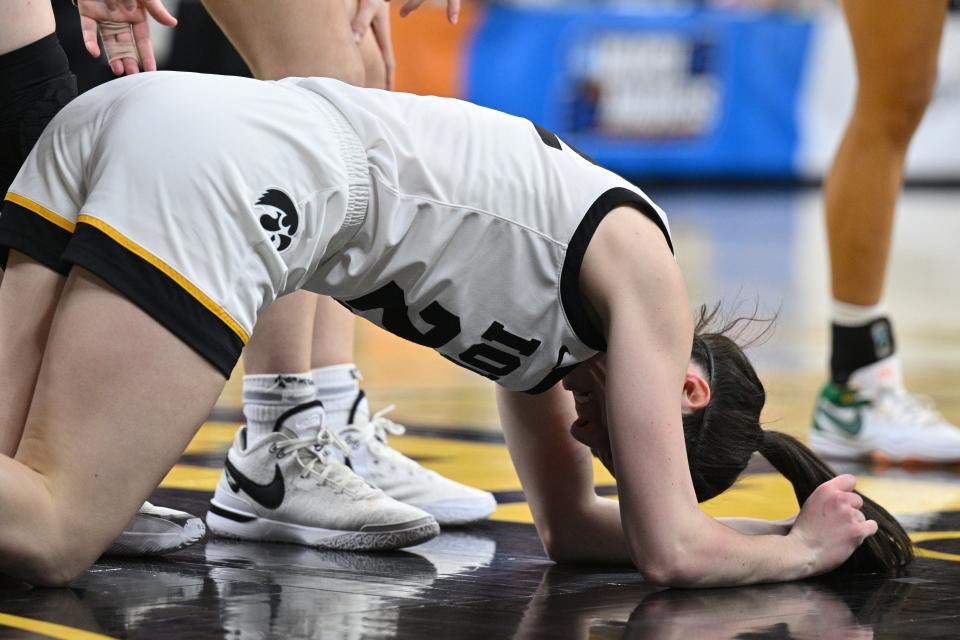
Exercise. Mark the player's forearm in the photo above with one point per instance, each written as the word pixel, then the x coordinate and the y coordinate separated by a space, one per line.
pixel 718 556
pixel 758 527
pixel 593 536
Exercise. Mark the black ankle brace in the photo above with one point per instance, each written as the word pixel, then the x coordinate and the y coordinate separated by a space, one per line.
pixel 857 347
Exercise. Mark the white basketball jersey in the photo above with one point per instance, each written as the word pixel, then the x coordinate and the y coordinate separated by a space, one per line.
pixel 475 233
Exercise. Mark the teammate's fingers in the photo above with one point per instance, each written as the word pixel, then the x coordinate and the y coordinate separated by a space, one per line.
pixel 130 66
pixel 366 9
pixel 453 11
pixel 159 13
pixel 409 6
pixel 88 27
pixel 141 35
pixel 117 67
pixel 381 32
pixel 870 527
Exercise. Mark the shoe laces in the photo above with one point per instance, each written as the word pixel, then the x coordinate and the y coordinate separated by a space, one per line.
pixel 312 452
pixel 374 435
pixel 382 425
pixel 910 408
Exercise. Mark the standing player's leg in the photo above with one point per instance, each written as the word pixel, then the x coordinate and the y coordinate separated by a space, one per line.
pixel 279 395
pixel 94 445
pixel 273 53
pixel 864 409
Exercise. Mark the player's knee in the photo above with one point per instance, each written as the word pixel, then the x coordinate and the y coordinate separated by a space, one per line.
pixel 51 547
pixel 52 557
pixel 895 110
pixel 49 565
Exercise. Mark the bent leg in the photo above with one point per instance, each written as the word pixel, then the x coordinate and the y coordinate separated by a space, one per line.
pixel 28 297
pixel 117 400
pixel 896 45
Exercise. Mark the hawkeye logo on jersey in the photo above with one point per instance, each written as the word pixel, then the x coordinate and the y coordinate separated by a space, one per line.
pixel 281 219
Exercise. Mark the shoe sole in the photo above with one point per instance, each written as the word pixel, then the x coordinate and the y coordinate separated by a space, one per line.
pixel 460 513
pixel 828 447
pixel 157 544
pixel 229 523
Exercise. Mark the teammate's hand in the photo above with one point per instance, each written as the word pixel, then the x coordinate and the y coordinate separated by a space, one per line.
pixel 381 32
pixel 453 9
pixel 362 19
pixel 830 525
pixel 123 45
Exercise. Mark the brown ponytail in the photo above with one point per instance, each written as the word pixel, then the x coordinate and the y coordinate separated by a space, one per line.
pixel 890 548
pixel 721 437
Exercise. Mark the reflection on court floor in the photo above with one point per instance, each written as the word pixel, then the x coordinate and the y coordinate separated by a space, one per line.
pixel 492 580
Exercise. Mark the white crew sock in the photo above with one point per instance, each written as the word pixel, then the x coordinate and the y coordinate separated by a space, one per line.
pixel 855 315
pixel 266 397
pixel 337 387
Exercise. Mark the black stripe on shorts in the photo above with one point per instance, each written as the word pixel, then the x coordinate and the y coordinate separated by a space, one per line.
pixel 32 235
pixel 161 297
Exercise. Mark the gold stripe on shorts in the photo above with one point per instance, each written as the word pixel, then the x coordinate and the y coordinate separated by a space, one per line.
pixel 41 211
pixel 168 271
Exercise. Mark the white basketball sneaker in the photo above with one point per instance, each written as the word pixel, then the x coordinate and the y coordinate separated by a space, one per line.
pixel 874 416
pixel 401 478
pixel 289 486
pixel 156 531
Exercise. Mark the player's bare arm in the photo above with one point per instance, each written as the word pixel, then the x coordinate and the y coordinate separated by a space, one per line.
pixel 640 299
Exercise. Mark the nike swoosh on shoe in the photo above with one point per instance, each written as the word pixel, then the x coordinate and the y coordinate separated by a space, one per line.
pixel 851 427
pixel 269 495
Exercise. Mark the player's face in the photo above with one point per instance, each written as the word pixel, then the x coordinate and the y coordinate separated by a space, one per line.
pixel 588 382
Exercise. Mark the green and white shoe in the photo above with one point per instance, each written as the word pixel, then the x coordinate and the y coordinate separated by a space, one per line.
pixel 875 417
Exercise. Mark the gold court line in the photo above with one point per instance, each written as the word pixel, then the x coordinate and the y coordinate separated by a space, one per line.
pixel 925 536
pixel 49 629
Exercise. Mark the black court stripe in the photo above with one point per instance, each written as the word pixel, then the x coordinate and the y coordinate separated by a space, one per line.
pixel 157 294
pixel 570 297
pixel 32 235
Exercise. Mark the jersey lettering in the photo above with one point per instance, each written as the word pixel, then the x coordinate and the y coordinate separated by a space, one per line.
pixel 483 358
pixel 445 326
pixel 550 139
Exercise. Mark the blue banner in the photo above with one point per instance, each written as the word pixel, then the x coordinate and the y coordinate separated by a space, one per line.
pixel 698 94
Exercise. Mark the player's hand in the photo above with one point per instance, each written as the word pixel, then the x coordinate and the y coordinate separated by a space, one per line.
pixel 381 32
pixel 830 524
pixel 453 9
pixel 362 19
pixel 123 44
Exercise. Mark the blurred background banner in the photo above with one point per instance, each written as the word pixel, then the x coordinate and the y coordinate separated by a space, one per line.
pixel 699 93
pixel 686 90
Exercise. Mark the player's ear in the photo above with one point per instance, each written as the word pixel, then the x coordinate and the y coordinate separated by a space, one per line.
pixel 696 390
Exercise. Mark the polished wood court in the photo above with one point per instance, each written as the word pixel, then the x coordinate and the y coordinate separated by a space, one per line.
pixel 755 248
